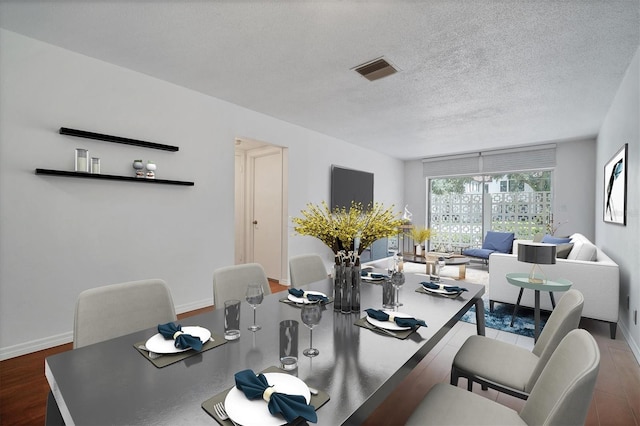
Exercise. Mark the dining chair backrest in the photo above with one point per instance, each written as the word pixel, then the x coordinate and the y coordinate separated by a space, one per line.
pixel 230 282
pixel 114 310
pixel 563 393
pixel 306 268
pixel 564 318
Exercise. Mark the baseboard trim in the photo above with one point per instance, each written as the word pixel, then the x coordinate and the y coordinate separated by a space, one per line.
pixel 632 343
pixel 67 337
pixel 193 306
pixel 35 345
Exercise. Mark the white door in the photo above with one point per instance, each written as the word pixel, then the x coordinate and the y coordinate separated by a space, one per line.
pixel 240 214
pixel 266 217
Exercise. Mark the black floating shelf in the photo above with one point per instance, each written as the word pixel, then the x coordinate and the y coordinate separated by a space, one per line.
pixel 110 177
pixel 116 139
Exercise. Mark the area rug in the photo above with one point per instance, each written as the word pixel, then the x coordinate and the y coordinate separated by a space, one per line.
pixel 500 318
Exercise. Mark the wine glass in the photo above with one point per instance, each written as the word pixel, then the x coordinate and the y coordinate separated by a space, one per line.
pixel 255 294
pixel 441 264
pixel 397 280
pixel 311 314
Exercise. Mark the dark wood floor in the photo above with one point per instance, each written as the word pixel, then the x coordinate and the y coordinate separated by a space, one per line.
pixel 24 388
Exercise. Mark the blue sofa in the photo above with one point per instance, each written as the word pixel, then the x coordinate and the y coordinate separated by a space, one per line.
pixel 494 242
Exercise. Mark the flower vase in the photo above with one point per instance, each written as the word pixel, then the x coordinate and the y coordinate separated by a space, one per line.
pixel 347 283
pixel 355 288
pixel 338 284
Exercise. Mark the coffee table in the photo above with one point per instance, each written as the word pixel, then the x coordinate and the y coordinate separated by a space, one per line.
pixel 456 259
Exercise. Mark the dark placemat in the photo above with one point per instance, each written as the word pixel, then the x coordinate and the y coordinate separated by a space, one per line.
pixel 299 305
pixel 316 400
pixel 398 334
pixel 168 359
pixel 423 290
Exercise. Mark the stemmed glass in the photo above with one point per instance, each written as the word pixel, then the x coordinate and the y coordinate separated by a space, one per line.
pixel 311 314
pixel 255 294
pixel 397 280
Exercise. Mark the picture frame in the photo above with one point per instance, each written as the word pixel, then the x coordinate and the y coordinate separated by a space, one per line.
pixel 615 188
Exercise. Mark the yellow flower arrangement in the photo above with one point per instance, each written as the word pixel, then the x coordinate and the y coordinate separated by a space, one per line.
pixel 340 229
pixel 420 234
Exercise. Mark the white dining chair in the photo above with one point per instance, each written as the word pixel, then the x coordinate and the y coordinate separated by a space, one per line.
pixel 111 311
pixel 230 282
pixel 306 269
pixel 513 369
pixel 561 396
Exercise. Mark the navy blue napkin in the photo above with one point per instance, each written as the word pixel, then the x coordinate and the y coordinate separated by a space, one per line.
pixel 402 322
pixel 449 288
pixel 290 406
pixel 183 341
pixel 373 275
pixel 312 297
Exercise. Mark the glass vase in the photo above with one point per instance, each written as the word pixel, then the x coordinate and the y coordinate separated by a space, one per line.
pixel 347 283
pixel 338 281
pixel 355 288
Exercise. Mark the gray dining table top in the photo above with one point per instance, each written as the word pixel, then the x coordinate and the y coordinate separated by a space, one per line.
pixel 112 383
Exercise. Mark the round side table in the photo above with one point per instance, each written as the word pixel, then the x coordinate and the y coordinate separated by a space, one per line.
pixel 522 280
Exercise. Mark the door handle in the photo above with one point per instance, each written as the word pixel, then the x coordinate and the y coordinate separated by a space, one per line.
pixel 255 222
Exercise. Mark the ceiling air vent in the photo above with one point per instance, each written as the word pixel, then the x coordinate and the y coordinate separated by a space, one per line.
pixel 375 69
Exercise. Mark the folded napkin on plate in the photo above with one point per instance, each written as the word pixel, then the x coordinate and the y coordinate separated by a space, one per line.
pixel 183 341
pixel 373 275
pixel 401 321
pixel 290 406
pixel 449 288
pixel 309 296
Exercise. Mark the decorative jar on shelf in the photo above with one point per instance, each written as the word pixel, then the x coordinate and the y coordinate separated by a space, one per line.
pixel 95 165
pixel 82 160
pixel 138 165
pixel 151 170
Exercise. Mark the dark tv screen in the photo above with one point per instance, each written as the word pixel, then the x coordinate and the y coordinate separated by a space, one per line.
pixel 349 185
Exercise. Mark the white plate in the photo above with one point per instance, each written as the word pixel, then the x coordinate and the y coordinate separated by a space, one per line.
pixel 388 325
pixel 255 412
pixel 368 277
pixel 303 299
pixel 440 290
pixel 158 344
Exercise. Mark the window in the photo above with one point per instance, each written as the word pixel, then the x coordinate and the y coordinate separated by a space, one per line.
pixel 461 209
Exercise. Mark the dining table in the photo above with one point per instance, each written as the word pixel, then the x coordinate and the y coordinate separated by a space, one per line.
pixel 111 382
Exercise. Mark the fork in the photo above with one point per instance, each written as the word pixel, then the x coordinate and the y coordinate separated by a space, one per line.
pixel 222 413
pixel 152 355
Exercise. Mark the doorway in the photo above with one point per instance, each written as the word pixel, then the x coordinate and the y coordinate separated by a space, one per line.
pixel 261 206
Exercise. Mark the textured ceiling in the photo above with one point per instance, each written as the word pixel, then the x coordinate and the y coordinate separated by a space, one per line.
pixel 474 75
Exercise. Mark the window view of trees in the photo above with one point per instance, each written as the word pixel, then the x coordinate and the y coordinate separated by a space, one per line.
pixel 462 209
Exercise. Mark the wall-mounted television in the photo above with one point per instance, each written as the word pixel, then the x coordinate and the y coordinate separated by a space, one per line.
pixel 349 185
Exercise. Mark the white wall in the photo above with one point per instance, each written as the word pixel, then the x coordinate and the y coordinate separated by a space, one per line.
pixel 60 236
pixel 621 242
pixel 575 165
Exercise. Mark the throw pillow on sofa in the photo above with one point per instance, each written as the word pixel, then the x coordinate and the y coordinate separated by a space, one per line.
pixel 563 250
pixel 583 249
pixel 550 239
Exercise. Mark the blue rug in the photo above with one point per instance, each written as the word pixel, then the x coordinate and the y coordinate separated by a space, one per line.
pixel 500 318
